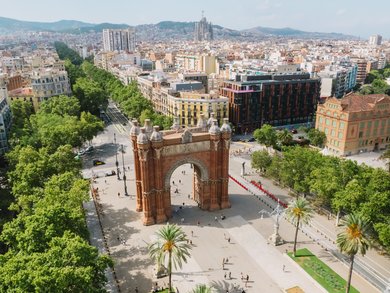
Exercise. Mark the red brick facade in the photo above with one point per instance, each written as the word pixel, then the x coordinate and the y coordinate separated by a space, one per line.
pixel 158 154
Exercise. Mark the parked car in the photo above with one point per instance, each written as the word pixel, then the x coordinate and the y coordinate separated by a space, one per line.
pixel 252 139
pixel 89 149
pixel 294 131
pixel 97 162
pixel 81 152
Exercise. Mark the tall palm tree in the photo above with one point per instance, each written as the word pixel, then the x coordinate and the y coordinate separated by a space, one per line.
pixel 202 289
pixel 171 243
pixel 353 239
pixel 299 212
pixel 386 157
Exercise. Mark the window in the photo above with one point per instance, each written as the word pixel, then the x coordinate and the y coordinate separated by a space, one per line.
pixel 327 121
pixel 321 120
pixel 360 134
pixel 342 125
pixel 326 130
pixel 334 123
pixel 333 133
pixel 362 124
pixel 340 135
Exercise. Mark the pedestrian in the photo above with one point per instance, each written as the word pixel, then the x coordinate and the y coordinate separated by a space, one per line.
pixel 284 267
pixel 229 239
pixel 216 218
pixel 191 242
pixel 242 276
pixel 230 275
pixel 192 233
pixel 179 181
pixel 183 204
pixel 227 260
pixel 119 194
pixel 189 196
pixel 173 182
pixel 223 260
pixel 198 223
pixel 247 278
pixel 136 290
pixel 224 276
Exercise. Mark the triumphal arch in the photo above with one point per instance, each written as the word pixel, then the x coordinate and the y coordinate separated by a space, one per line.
pixel 158 153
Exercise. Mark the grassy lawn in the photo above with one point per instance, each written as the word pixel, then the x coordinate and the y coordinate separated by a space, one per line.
pixel 320 272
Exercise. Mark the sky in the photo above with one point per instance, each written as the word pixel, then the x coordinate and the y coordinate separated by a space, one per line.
pixel 354 17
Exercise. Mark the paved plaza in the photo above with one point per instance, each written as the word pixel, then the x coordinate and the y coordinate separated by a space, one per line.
pixel 248 251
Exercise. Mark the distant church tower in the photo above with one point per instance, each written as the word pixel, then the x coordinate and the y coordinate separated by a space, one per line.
pixel 203 30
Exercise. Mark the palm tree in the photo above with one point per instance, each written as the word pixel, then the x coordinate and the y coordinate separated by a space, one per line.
pixel 172 243
pixel 202 289
pixel 386 157
pixel 353 239
pixel 284 137
pixel 299 212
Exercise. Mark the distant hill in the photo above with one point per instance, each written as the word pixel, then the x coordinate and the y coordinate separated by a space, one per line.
pixel 290 32
pixel 160 31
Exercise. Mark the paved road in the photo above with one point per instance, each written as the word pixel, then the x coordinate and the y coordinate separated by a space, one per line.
pixel 134 267
pixel 373 267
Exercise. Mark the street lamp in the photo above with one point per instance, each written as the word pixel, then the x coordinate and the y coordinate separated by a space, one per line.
pixel 275 238
pixel 116 158
pixel 124 174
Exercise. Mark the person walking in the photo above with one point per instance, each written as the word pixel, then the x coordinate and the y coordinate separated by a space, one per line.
pixel 224 276
pixel 136 290
pixel 247 278
pixel 230 275
pixel 119 194
pixel 284 268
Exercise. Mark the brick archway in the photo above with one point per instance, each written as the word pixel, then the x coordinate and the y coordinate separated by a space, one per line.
pixel 158 153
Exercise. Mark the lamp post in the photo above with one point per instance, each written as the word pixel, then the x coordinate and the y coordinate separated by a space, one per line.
pixel 275 238
pixel 116 158
pixel 124 173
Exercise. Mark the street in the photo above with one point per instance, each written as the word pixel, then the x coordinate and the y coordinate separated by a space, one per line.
pixel 249 252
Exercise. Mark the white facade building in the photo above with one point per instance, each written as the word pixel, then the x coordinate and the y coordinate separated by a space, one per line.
pixel 119 39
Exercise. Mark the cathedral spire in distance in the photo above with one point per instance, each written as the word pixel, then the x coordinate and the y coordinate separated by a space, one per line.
pixel 203 30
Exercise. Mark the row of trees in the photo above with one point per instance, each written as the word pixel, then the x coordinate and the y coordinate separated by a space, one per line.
pixel 342 185
pixel 270 137
pixel 352 239
pixel 47 241
pixel 376 81
pixel 93 86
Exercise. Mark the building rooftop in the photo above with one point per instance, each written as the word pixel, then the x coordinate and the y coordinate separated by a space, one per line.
pixel 359 103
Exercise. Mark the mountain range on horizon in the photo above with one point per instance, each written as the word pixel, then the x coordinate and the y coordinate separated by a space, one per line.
pixel 162 30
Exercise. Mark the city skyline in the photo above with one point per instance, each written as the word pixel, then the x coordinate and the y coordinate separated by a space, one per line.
pixel 346 17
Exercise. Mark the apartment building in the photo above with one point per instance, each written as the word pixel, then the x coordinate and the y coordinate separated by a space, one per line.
pixel 5 115
pixel 355 123
pixel 279 99
pixel 206 63
pixel 185 99
pixel 361 70
pixel 49 82
pixel 337 80
pixel 119 39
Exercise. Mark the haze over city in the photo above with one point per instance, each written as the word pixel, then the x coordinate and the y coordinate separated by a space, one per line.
pixel 347 16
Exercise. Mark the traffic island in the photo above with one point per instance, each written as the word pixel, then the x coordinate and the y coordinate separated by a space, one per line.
pixel 320 272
